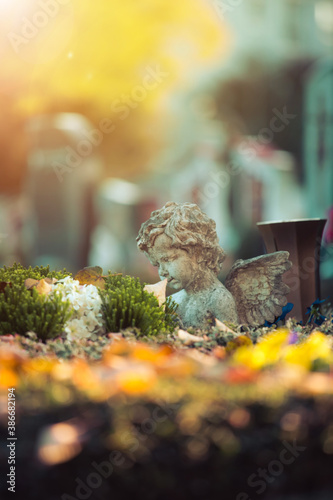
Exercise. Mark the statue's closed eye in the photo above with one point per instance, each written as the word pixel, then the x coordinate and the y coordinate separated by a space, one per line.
pixel 168 259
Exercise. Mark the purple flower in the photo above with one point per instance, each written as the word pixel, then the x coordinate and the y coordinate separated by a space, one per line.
pixel 293 337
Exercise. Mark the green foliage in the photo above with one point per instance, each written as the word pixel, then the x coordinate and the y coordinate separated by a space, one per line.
pixel 126 304
pixel 23 310
pixel 18 274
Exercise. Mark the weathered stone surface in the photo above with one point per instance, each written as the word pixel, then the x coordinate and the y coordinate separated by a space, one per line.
pixel 181 241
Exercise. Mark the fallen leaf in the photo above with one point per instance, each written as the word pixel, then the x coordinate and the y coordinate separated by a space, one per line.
pixel 178 366
pixel 204 359
pixel 240 341
pixel 154 356
pixel 31 283
pixel 188 338
pixel 91 276
pixel 43 287
pixel 240 375
pixel 224 328
pixel 51 281
pixel 219 352
pixel 158 289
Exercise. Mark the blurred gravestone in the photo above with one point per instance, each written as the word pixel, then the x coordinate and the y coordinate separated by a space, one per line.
pixel 318 158
pixel 120 212
pixel 63 169
pixel 318 144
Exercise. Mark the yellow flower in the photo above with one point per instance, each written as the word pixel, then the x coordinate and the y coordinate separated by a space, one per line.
pixel 274 348
pixel 266 352
pixel 316 346
pixel 8 378
pixel 136 379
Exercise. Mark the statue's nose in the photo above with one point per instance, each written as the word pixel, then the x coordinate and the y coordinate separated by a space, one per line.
pixel 163 272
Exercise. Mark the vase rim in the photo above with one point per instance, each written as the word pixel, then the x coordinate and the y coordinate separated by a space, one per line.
pixel 316 219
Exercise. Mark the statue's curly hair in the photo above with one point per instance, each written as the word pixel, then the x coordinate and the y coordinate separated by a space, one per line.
pixel 188 227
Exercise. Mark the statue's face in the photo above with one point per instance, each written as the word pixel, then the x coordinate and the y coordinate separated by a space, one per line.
pixel 173 263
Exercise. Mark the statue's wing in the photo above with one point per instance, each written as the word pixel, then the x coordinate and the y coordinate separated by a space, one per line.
pixel 257 287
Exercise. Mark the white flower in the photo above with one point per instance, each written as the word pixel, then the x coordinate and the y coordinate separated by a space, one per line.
pixel 86 303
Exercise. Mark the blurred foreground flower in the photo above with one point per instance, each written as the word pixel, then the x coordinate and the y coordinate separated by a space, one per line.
pixel 11 358
pixel 276 347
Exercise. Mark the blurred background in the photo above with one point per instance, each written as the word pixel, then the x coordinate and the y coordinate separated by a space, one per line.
pixel 111 108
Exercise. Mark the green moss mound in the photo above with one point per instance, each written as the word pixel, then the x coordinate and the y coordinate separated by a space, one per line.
pixel 23 310
pixel 126 304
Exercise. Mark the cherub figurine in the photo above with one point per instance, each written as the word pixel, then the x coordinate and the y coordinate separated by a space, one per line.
pixel 181 241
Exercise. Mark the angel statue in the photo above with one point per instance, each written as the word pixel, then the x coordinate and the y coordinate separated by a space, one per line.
pixel 181 241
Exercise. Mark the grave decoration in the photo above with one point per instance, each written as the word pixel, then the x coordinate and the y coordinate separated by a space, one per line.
pixel 52 304
pixel 113 399
pixel 181 241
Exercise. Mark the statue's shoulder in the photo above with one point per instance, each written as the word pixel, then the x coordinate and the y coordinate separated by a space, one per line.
pixel 222 304
pixel 220 292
